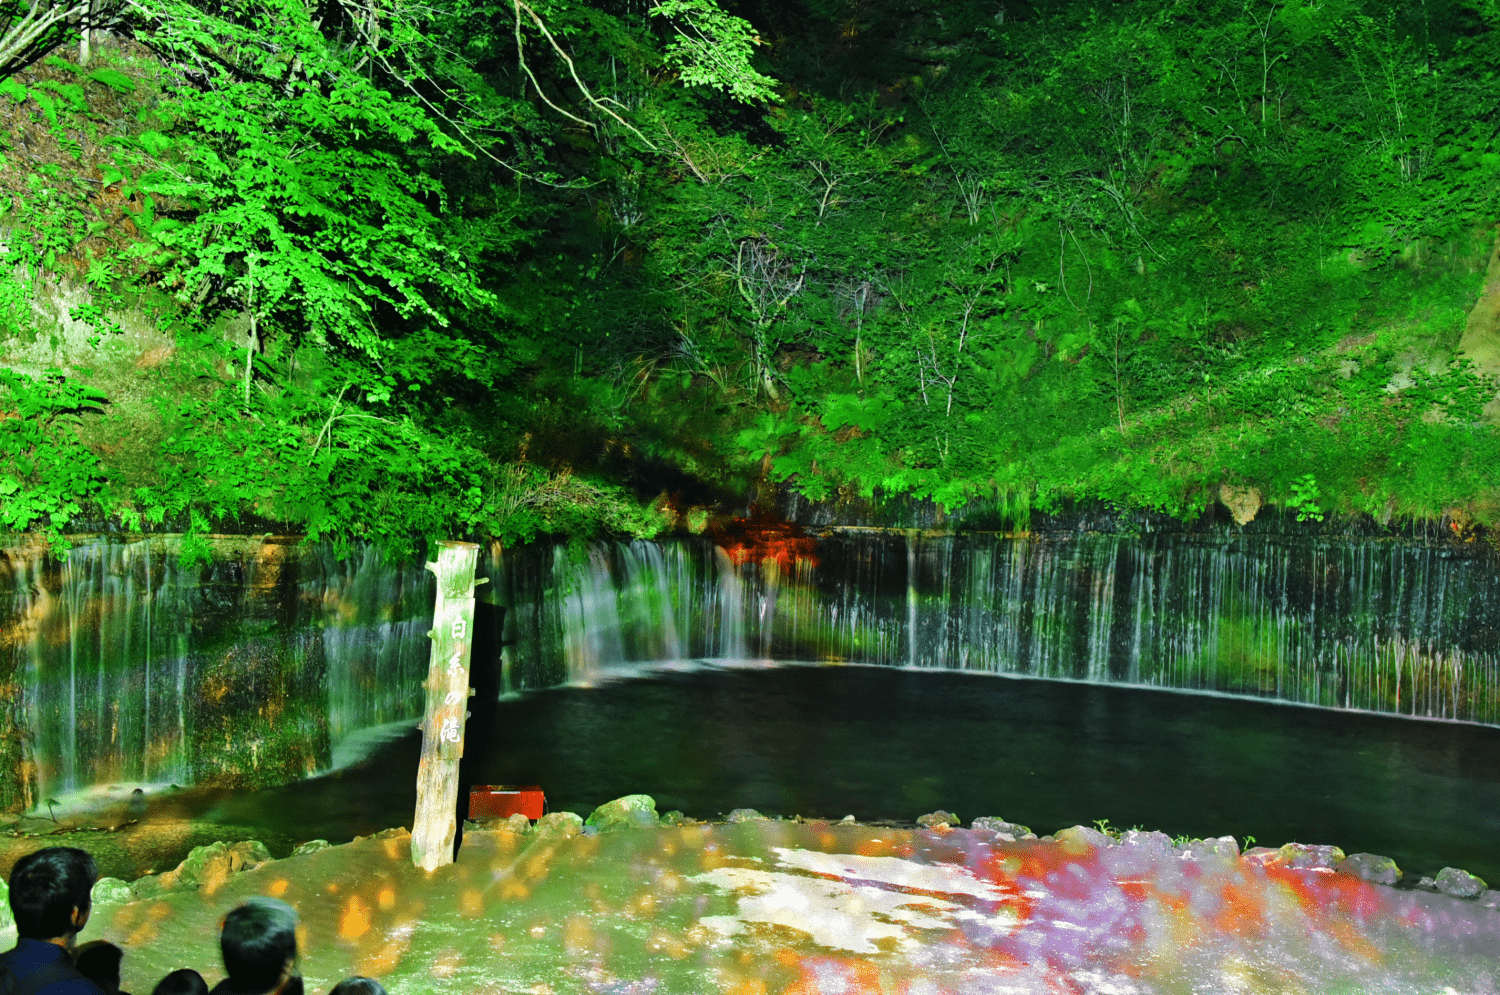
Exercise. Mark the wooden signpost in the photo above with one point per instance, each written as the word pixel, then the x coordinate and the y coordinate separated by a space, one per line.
pixel 436 823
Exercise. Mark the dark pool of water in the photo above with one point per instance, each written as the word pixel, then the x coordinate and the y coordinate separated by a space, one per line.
pixel 881 743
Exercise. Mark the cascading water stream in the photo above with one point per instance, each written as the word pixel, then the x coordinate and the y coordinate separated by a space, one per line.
pixel 1391 626
pixel 128 667
pixel 254 668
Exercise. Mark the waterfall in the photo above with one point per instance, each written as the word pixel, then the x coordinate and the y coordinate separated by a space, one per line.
pixel 1404 626
pixel 126 666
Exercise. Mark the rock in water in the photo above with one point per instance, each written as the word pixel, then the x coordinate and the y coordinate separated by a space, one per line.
pixel 1310 855
pixel 941 817
pixel 563 824
pixel 137 807
pixel 743 815
pixel 1370 867
pixel 630 812
pixel 1459 884
pixel 995 824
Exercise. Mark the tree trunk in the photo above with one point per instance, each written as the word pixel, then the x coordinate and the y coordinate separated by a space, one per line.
pixel 436 821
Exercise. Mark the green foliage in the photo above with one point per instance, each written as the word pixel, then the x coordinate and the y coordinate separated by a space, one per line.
pixel 465 270
pixel 1304 499
pixel 713 48
pixel 344 474
pixel 45 475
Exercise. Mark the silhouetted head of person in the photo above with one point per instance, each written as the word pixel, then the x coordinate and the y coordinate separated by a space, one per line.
pixel 259 944
pixel 99 961
pixel 183 981
pixel 358 985
pixel 49 894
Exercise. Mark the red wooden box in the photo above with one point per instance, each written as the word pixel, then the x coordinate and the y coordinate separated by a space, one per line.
pixel 492 800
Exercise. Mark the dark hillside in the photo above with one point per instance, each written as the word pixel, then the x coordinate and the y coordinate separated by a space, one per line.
pixel 389 280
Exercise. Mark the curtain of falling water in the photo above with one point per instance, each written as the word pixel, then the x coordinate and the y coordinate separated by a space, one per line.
pixel 1394 626
pixel 125 666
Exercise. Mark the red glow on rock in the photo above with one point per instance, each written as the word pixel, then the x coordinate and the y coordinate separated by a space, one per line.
pixel 762 537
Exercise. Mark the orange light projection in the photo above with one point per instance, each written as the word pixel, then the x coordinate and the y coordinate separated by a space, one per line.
pixel 763 537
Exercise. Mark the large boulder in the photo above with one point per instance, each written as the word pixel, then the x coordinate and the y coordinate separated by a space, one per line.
pixel 1370 867
pixel 106 890
pixel 1459 884
pixel 206 868
pixel 629 812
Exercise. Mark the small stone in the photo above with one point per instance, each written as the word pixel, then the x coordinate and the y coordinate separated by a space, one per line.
pixel 1427 884
pixel 1459 884
pixel 676 818
pixel 311 846
pixel 629 812
pixel 933 820
pixel 995 824
pixel 847 818
pixel 743 815
pixel 1304 856
pixel 1370 867
pixel 1076 835
pixel 565 824
pixel 1263 856
pixel 1490 899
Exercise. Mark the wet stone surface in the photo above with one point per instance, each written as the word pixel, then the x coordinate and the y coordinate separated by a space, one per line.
pixel 779 906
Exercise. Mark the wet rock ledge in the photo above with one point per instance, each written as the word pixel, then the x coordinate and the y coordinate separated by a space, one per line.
pixel 208 867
